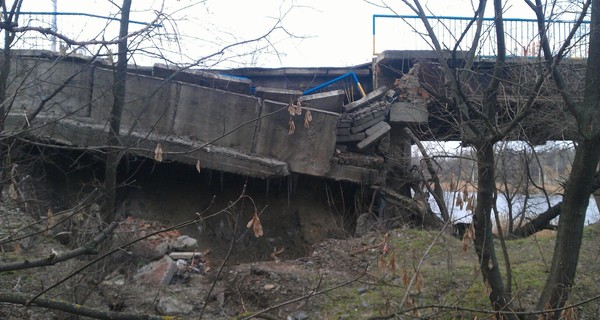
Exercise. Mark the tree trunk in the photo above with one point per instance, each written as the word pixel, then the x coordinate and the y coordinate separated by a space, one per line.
pixel 541 222
pixel 484 245
pixel 113 153
pixel 580 183
pixel 5 68
pixel 570 228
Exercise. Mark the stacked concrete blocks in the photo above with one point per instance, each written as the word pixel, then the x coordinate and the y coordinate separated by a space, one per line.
pixel 365 121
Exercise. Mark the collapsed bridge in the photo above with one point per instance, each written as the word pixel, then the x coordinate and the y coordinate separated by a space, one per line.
pixel 335 123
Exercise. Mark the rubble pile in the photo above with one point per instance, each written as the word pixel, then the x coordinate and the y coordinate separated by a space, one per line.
pixel 172 257
pixel 365 121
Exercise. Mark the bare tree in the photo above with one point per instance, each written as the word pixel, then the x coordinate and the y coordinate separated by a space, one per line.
pixel 128 43
pixel 580 183
pixel 483 116
pixel 113 156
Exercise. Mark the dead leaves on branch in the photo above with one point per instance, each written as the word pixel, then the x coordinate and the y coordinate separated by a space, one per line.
pixel 158 153
pixel 255 224
pixel 307 119
pixel 468 238
pixel 295 109
pixel 292 127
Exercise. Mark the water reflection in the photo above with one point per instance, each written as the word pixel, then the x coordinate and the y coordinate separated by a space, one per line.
pixel 536 204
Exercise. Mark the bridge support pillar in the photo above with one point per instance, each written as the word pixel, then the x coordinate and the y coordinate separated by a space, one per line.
pixel 398 160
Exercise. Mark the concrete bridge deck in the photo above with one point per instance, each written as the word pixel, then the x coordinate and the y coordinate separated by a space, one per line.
pixel 230 120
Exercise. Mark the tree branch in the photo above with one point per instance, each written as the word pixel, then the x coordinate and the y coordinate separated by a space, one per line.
pixel 54 258
pixel 23 299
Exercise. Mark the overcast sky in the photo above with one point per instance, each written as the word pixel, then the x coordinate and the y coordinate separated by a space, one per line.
pixel 326 33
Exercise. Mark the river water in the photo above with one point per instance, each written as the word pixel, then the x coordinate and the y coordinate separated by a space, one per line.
pixel 535 204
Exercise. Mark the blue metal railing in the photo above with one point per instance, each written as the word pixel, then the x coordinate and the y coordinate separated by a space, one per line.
pixel 324 85
pixel 406 32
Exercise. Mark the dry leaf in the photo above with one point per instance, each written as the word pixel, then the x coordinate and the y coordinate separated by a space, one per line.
pixel 198 168
pixel 381 263
pixel 472 231
pixel 490 264
pixel 291 109
pixel 257 228
pixel 158 152
pixel 488 288
pixel 256 225
pixel 250 223
pixel 292 128
pixel 419 282
pixel 307 119
pixel 12 192
pixel 459 201
pixel 393 263
pixel 405 278
pixel 298 109
pixel 470 205
pixel 465 243
pixel 569 312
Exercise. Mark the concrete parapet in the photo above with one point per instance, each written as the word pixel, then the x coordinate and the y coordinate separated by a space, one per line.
pixel 329 101
pixel 306 150
pixel 277 94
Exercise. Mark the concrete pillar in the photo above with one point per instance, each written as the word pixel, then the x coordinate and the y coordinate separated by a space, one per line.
pixel 398 160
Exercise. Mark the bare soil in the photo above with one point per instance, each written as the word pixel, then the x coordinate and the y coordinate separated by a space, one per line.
pixel 306 266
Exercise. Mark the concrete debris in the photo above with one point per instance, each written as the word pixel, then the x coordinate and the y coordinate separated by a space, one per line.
pixel 186 255
pixel 365 122
pixel 185 243
pixel 378 131
pixel 186 267
pixel 371 96
pixel 157 273
pixel 364 125
pixel 169 306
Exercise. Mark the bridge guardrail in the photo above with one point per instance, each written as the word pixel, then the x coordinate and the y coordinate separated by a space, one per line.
pixel 522 38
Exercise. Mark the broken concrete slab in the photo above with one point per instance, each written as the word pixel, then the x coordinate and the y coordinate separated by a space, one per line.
pixel 343 131
pixel 413 112
pixel 363 118
pixel 351 137
pixel 376 127
pixel 184 243
pixel 374 136
pixel 367 124
pixel 355 174
pixel 330 101
pixel 306 150
pixel 72 131
pixel 277 94
pixel 156 273
pixel 345 123
pixel 371 96
pixel 204 78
